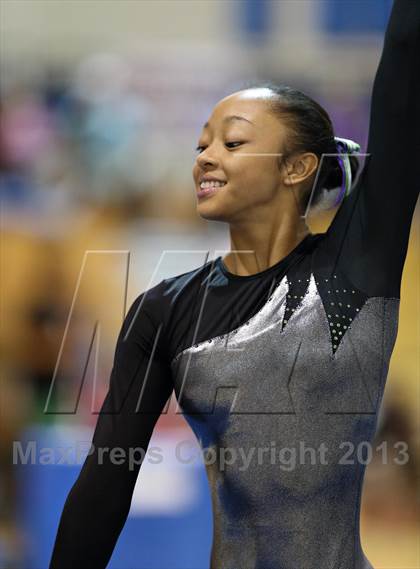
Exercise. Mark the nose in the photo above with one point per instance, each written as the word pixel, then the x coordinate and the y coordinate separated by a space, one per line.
pixel 207 159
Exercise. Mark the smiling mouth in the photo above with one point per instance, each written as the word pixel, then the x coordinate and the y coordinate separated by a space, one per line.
pixel 208 188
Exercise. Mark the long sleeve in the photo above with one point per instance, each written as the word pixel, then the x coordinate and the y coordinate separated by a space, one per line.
pixel 98 503
pixel 369 234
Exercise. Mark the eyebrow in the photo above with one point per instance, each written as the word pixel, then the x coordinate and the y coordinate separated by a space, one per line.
pixel 231 118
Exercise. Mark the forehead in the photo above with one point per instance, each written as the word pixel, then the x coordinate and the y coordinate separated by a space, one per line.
pixel 250 104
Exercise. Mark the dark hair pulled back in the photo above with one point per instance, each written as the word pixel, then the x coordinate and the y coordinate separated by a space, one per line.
pixel 310 130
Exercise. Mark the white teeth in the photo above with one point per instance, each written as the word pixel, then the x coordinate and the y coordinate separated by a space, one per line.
pixel 212 184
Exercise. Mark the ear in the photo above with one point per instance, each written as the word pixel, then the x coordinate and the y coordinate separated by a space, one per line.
pixel 299 168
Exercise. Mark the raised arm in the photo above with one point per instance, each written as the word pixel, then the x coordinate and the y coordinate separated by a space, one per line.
pixel 98 503
pixel 371 229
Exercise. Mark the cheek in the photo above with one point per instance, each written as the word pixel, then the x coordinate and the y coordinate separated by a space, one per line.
pixel 256 175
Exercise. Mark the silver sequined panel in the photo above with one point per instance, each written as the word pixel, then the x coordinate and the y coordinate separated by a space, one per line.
pixel 296 503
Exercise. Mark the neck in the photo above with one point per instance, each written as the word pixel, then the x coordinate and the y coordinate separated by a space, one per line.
pixel 255 247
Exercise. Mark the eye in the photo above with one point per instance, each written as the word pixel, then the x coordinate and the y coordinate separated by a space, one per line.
pixel 234 144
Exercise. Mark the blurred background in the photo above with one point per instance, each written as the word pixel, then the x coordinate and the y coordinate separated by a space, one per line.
pixel 101 107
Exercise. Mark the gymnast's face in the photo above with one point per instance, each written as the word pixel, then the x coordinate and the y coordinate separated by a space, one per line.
pixel 236 171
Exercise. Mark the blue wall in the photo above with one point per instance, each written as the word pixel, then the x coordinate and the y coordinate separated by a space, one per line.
pixel 355 16
pixel 147 541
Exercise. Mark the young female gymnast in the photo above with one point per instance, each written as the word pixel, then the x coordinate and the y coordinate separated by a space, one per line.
pixel 282 344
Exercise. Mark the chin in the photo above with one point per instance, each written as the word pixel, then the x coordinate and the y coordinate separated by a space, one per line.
pixel 211 213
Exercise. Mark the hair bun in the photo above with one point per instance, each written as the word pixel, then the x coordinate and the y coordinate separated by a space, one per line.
pixel 334 178
pixel 346 145
pixel 344 169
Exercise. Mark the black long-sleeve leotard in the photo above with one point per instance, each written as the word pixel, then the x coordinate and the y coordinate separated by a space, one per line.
pixel 307 343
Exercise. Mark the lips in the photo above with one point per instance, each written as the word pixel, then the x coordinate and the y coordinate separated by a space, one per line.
pixel 209 187
pixel 209 178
